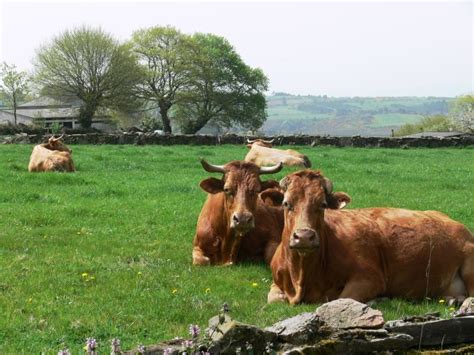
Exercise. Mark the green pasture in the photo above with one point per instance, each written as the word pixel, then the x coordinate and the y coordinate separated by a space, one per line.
pixel 106 252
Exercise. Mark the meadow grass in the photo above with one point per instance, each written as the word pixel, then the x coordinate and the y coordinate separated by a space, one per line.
pixel 106 252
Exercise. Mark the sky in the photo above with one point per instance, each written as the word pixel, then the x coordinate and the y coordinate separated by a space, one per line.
pixel 352 48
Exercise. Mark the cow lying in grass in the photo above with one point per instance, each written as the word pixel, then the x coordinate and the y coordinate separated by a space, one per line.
pixel 261 153
pixel 235 224
pixel 327 253
pixel 51 156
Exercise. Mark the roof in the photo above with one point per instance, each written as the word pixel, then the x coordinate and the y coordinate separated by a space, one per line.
pixel 435 134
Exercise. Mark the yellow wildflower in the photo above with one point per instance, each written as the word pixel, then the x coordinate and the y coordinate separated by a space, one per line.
pixel 174 290
pixel 84 274
pixel 441 301
pixel 452 309
pixel 139 273
pixel 30 300
pixel 208 290
pixel 254 284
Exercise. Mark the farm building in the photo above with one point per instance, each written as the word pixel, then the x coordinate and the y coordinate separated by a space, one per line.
pixel 45 111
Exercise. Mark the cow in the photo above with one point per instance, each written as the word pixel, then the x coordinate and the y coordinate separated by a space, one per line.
pixel 327 253
pixel 235 224
pixel 51 156
pixel 261 153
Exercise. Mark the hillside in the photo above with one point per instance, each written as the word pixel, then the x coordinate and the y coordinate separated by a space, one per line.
pixel 366 116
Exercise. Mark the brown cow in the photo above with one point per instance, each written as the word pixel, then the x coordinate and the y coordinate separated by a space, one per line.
pixel 261 153
pixel 326 253
pixel 235 224
pixel 51 156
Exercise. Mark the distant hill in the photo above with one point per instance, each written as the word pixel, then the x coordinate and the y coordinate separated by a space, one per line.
pixel 347 116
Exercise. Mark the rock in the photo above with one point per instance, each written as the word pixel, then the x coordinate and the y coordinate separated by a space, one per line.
pixel 301 329
pixel 227 335
pixel 355 342
pixel 437 332
pixel 345 313
pixel 467 308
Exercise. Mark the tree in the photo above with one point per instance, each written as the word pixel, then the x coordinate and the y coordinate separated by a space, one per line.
pixel 223 90
pixel 91 65
pixel 163 56
pixel 462 112
pixel 14 86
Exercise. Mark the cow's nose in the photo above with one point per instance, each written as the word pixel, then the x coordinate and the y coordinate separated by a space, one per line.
pixel 242 219
pixel 305 238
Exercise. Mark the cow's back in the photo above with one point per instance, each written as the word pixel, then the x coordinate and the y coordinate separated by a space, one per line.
pixel 43 159
pixel 421 250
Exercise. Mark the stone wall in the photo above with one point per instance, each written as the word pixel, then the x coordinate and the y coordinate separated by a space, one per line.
pixel 152 138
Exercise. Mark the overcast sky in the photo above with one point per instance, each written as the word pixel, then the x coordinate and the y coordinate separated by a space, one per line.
pixel 312 47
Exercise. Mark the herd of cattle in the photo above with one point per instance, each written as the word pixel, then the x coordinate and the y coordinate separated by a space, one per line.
pixel 316 250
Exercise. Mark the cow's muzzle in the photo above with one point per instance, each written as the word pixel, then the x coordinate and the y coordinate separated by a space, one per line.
pixel 305 239
pixel 242 221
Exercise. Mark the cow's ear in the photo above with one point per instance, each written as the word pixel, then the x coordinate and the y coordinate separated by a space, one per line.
pixel 338 200
pixel 270 184
pixel 249 146
pixel 272 197
pixel 212 185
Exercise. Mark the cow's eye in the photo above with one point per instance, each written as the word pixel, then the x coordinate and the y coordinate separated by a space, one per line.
pixel 287 205
pixel 324 205
pixel 227 191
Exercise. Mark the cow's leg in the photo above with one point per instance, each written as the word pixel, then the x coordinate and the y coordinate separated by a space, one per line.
pixel 363 289
pixel 199 258
pixel 270 251
pixel 275 295
pixel 467 273
pixel 456 292
pixel 234 251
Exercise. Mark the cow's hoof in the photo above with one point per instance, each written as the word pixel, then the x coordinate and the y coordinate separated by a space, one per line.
pixel 455 301
pixel 276 297
pixel 201 261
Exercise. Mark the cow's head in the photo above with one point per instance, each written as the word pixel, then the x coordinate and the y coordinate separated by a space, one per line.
pixel 260 142
pixel 57 144
pixel 306 196
pixel 240 185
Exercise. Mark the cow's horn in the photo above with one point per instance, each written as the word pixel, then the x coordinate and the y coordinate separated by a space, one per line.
pixel 212 168
pixel 268 142
pixel 57 139
pixel 327 185
pixel 271 169
pixel 251 141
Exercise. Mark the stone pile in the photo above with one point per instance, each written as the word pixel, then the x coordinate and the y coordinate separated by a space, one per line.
pixel 342 326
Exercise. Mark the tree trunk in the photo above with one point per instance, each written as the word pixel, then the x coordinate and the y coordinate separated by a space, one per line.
pixel 14 110
pixel 192 127
pixel 164 108
pixel 86 113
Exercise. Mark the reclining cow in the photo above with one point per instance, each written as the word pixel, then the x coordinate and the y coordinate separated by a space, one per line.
pixel 261 153
pixel 235 224
pixel 326 253
pixel 51 156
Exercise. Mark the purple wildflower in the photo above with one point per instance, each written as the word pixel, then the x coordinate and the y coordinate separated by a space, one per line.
pixel 65 351
pixel 141 349
pixel 91 345
pixel 115 346
pixel 194 330
pixel 188 344
pixel 168 351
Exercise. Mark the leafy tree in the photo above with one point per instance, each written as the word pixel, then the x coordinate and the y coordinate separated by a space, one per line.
pixel 436 123
pixel 462 112
pixel 163 56
pixel 91 65
pixel 14 86
pixel 223 90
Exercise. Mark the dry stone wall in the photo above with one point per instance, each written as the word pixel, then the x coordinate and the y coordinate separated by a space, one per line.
pixel 139 138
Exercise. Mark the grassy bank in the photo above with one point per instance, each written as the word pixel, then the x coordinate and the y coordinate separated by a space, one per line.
pixel 106 252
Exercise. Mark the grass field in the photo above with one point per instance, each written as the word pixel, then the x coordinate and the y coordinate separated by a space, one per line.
pixel 106 252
